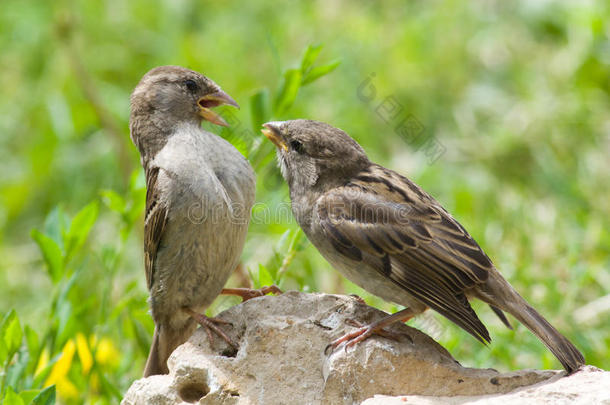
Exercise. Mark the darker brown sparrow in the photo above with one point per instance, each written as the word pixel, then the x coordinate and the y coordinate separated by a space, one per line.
pixel 386 234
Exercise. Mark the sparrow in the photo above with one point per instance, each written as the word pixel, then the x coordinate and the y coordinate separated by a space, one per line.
pixel 390 237
pixel 199 193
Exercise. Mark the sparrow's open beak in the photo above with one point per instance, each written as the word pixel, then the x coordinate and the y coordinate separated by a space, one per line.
pixel 213 100
pixel 272 133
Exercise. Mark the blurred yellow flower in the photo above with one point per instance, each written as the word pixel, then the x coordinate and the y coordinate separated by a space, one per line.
pixel 106 353
pixel 59 373
pixel 82 347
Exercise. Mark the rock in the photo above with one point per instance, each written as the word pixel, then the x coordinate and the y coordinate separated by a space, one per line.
pixel 588 386
pixel 281 360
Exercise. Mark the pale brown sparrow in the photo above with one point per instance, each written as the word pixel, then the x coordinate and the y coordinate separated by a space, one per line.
pixel 199 193
pixel 390 237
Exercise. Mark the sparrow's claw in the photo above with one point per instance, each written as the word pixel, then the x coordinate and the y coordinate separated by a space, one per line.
pixel 209 324
pixel 358 298
pixel 249 293
pixel 354 323
pixel 360 334
pixel 376 328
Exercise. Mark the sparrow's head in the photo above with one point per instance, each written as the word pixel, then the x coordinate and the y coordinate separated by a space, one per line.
pixel 313 154
pixel 171 95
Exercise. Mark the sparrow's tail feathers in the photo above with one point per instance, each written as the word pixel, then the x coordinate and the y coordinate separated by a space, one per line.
pixel 157 357
pixel 165 341
pixel 155 365
pixel 568 355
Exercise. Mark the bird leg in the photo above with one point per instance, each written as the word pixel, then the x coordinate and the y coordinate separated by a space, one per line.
pixel 249 293
pixel 209 324
pixel 375 328
pixel 358 298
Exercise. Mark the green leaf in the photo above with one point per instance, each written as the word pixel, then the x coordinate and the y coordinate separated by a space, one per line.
pixel 33 344
pixel 64 311
pixel 288 91
pixel 51 253
pixel 55 225
pixel 31 339
pixel 309 57
pixel 283 240
pixel 12 333
pixel 28 396
pixel 3 355
pixel 295 240
pixel 46 397
pixel 259 108
pixel 80 227
pixel 11 398
pixel 114 201
pixel 264 276
pixel 319 71
pixel 3 348
pixel 16 373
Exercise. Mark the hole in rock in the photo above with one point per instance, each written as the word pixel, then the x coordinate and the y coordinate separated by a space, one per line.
pixel 193 392
pixel 229 352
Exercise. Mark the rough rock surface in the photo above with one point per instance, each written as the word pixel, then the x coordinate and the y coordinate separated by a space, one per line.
pixel 587 387
pixel 281 360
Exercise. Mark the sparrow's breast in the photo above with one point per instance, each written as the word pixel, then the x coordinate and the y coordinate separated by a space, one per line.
pixel 209 191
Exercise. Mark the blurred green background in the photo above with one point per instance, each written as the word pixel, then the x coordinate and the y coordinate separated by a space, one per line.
pixel 514 98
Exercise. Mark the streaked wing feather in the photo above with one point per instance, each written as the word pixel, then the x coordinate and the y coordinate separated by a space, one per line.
pixel 154 223
pixel 430 254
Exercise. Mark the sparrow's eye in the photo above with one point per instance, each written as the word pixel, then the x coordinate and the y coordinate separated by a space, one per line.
pixel 191 85
pixel 296 146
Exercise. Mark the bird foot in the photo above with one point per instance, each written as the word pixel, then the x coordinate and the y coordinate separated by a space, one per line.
pixel 249 293
pixel 210 325
pixel 362 333
pixel 376 328
pixel 358 298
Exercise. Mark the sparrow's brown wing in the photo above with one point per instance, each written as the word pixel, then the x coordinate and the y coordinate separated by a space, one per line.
pixel 386 221
pixel 154 223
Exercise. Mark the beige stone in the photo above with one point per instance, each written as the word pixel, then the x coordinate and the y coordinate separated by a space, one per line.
pixel 590 386
pixel 281 360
